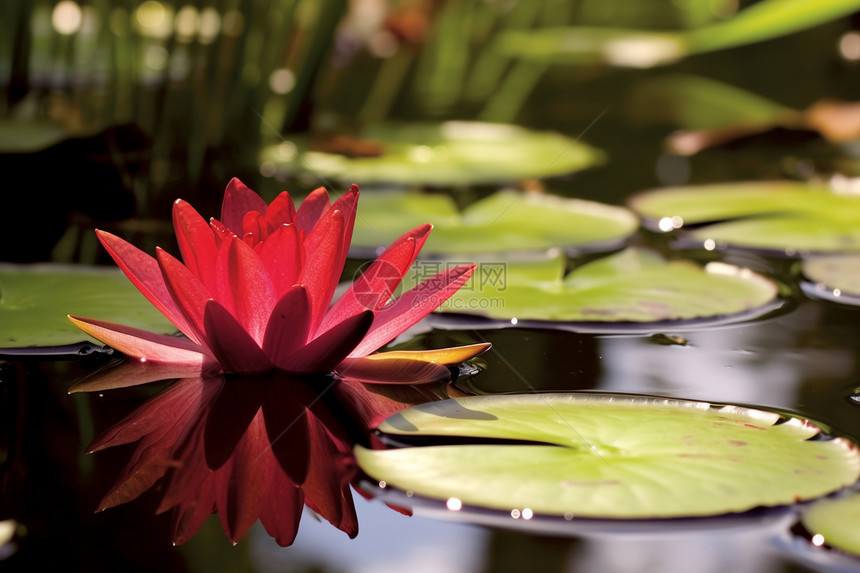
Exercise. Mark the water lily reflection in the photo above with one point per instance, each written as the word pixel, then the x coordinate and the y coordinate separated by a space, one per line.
pixel 250 448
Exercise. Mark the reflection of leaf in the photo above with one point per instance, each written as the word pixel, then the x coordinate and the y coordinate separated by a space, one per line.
pixel 35 300
pixel 837 520
pixel 777 216
pixel 611 456
pixel 449 154
pixel 643 48
pixel 633 285
pixel 504 221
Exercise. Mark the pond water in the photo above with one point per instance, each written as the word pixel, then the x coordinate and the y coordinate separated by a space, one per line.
pixel 801 359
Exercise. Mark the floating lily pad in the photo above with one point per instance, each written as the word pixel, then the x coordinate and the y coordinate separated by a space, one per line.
pixel 835 277
pixel 504 221
pixel 35 301
pixel 447 154
pixel 632 286
pixel 777 217
pixel 609 456
pixel 645 48
pixel 837 521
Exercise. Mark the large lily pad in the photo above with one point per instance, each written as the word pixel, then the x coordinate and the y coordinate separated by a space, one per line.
pixel 837 521
pixel 447 154
pixel 504 221
pixel 609 456
pixel 778 217
pixel 35 301
pixel 632 286
pixel 835 277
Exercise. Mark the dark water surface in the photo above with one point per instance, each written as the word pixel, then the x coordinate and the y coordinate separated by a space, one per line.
pixel 802 359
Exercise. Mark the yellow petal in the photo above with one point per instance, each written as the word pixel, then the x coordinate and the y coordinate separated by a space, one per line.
pixel 447 356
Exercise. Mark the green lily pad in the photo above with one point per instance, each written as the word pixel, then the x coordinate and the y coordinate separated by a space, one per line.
pixel 448 154
pixel 835 277
pixel 35 301
pixel 777 217
pixel 837 521
pixel 644 48
pixel 609 456
pixel 504 221
pixel 635 285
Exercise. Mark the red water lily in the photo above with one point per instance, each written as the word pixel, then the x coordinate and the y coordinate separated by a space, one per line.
pixel 253 294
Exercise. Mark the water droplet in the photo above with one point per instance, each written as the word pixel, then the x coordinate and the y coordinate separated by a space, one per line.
pixel 568 515
pixel 382 484
pixel 454 504
pixel 818 540
pixel 527 513
pixel 515 513
pixel 710 244
pixel 514 321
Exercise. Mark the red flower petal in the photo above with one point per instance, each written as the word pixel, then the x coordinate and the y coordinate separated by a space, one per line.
pixel 281 211
pixel 326 351
pixel 255 228
pixel 287 330
pixel 235 350
pixel 311 209
pixel 348 205
pixel 238 200
pixel 144 345
pixel 244 287
pixel 373 289
pixel 220 232
pixel 196 242
pixel 144 272
pixel 411 307
pixel 189 294
pixel 325 245
pixel 281 254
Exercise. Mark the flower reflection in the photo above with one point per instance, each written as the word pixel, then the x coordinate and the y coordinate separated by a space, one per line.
pixel 250 448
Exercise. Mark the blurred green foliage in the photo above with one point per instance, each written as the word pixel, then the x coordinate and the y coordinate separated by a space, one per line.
pixel 209 83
